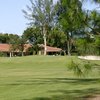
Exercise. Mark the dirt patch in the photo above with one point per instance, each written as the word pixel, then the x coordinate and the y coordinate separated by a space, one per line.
pixel 96 97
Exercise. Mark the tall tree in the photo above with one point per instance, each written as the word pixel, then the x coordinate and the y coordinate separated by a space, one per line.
pixel 92 17
pixel 33 36
pixel 70 17
pixel 41 14
pixel 4 38
pixel 95 22
pixel 57 38
pixel 14 41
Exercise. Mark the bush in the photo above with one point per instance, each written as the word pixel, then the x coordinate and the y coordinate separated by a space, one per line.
pixel 80 69
pixel 3 54
pixel 86 47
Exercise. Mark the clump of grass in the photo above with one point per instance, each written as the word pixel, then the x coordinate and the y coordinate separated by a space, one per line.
pixel 80 69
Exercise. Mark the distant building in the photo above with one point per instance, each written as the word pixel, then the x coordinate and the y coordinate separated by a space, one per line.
pixel 50 50
pixel 7 49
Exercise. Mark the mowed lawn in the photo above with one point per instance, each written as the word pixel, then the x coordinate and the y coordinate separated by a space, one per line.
pixel 45 78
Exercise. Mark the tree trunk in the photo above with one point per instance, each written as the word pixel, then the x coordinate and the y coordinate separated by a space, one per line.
pixel 68 43
pixel 45 42
pixel 68 48
pixel 10 54
pixel 22 53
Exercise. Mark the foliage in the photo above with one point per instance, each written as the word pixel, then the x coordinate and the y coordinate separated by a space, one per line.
pixel 33 35
pixel 97 44
pixel 4 38
pixel 3 54
pixel 94 23
pixel 14 41
pixel 41 14
pixel 88 46
pixel 97 41
pixel 57 38
pixel 80 69
pixel 70 16
pixel 56 25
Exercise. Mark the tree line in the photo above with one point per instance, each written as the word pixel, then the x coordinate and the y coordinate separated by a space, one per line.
pixel 64 24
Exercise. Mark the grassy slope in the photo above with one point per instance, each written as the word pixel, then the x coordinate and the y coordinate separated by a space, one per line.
pixel 43 78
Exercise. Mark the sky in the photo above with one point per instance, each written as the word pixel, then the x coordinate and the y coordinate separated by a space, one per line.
pixel 12 18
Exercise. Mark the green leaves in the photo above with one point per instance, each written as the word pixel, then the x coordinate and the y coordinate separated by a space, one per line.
pixel 75 68
pixel 81 69
pixel 41 12
pixel 71 13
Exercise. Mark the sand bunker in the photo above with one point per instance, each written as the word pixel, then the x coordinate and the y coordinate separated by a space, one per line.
pixel 89 57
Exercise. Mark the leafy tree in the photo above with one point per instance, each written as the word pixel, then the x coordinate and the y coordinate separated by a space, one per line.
pixel 81 45
pixel 4 38
pixel 28 34
pixel 80 69
pixel 85 46
pixel 70 16
pixel 95 22
pixel 33 36
pixel 97 43
pixel 57 38
pixel 21 45
pixel 41 14
pixel 14 41
pixel 92 19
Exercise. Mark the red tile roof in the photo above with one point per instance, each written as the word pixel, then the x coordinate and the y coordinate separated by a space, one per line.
pixel 51 49
pixel 7 47
pixel 4 47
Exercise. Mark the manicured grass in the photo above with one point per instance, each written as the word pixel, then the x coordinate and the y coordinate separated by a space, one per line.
pixel 45 78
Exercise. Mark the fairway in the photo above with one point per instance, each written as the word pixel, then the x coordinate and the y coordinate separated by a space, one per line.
pixel 45 78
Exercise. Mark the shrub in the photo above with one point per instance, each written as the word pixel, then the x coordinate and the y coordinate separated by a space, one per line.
pixel 80 69
pixel 3 54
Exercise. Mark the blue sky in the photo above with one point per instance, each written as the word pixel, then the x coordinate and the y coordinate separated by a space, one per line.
pixel 12 19
pixel 11 16
pixel 90 5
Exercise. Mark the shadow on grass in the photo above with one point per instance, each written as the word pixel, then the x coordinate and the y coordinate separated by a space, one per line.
pixel 97 66
pixel 68 95
pixel 71 81
pixel 77 94
pixel 74 94
pixel 39 98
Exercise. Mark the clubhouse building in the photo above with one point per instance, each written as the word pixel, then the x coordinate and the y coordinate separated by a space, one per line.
pixel 8 51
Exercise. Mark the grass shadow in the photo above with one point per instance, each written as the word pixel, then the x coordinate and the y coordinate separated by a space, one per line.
pixel 74 94
pixel 39 98
pixel 68 95
pixel 71 81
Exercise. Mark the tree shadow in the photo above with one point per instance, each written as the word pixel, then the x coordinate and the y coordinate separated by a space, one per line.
pixel 68 95
pixel 75 94
pixel 39 98
pixel 97 66
pixel 71 81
